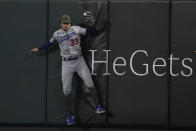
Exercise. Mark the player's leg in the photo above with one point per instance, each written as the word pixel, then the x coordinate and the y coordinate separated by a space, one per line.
pixel 84 73
pixel 67 74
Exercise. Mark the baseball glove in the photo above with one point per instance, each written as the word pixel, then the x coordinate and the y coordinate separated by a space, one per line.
pixel 88 18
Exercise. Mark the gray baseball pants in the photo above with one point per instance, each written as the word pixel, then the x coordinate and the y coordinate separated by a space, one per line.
pixel 69 68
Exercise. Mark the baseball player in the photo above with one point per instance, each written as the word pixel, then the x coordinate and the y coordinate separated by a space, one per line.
pixel 69 40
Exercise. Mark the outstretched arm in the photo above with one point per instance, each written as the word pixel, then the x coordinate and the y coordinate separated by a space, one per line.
pixel 44 46
pixel 90 31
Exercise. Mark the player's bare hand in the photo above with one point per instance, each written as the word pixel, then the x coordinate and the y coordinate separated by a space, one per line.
pixel 34 50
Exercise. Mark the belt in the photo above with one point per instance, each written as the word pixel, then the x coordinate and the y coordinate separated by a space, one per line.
pixel 74 58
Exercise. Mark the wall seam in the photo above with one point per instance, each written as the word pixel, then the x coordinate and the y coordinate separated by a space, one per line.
pixel 169 53
pixel 46 68
pixel 108 47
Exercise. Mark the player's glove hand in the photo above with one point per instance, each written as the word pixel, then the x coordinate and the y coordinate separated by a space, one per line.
pixel 88 18
pixel 34 50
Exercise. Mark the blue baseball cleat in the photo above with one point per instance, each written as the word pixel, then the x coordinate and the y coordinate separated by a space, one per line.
pixel 70 120
pixel 100 109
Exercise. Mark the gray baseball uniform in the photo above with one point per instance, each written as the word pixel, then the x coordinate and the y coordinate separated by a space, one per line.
pixel 69 43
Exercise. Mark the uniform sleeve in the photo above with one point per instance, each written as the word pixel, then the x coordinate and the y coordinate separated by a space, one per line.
pixel 52 39
pixel 90 31
pixel 48 43
pixel 80 30
pixel 45 45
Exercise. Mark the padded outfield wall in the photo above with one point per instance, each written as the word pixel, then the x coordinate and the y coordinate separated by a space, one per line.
pixel 31 88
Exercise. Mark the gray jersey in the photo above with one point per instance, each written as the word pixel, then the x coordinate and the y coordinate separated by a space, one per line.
pixel 69 41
